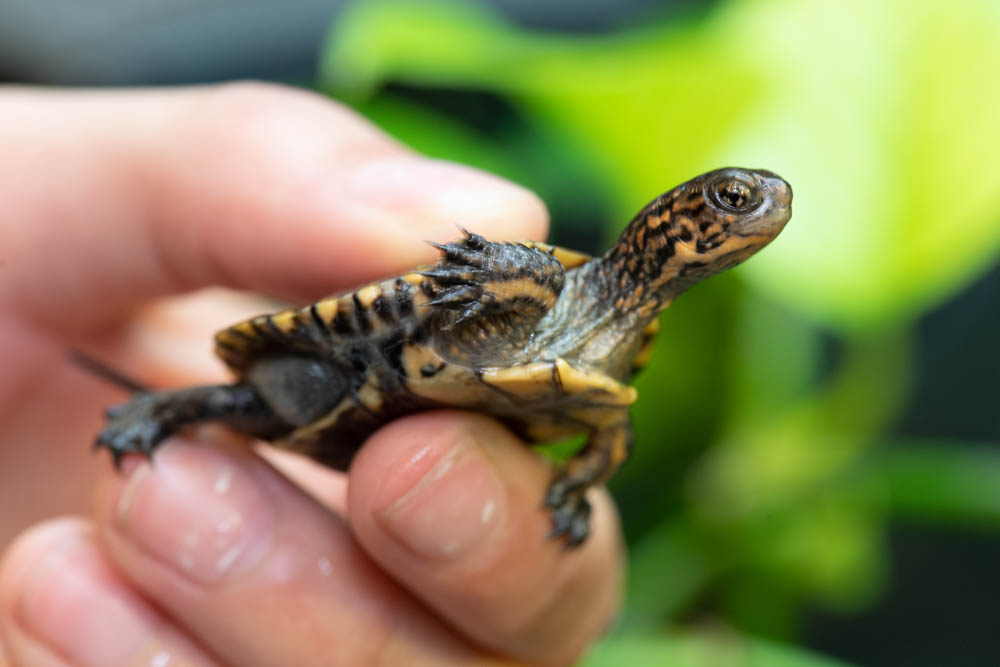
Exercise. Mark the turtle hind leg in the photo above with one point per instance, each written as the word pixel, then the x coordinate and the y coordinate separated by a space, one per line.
pixel 142 423
pixel 605 452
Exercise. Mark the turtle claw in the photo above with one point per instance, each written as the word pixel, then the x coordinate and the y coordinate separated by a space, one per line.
pixel 136 426
pixel 570 514
pixel 115 410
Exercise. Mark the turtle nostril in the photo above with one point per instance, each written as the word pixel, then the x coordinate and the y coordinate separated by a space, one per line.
pixel 781 190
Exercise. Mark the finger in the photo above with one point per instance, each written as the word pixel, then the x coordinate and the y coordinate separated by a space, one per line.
pixel 123 196
pixel 255 569
pixel 450 505
pixel 326 486
pixel 61 603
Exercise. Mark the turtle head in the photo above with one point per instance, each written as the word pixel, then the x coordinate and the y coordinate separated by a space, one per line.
pixel 700 228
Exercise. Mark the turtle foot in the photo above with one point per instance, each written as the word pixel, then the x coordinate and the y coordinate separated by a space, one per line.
pixel 570 511
pixel 136 426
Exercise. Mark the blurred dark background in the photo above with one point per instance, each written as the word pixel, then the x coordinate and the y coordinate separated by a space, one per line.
pixel 817 460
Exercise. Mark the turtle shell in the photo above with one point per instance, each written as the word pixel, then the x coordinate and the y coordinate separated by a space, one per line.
pixel 385 336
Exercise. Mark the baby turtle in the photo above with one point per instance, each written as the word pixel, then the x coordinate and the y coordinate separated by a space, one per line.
pixel 541 337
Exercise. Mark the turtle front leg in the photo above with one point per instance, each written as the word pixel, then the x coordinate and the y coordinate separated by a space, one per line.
pixel 148 418
pixel 605 452
pixel 486 290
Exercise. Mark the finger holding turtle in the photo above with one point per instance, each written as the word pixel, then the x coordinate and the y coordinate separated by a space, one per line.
pixel 210 555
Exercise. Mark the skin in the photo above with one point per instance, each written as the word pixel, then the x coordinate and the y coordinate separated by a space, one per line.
pixel 430 551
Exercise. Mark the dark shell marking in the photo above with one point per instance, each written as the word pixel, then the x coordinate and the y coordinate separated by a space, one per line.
pixel 541 337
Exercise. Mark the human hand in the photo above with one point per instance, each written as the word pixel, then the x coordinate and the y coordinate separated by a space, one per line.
pixel 431 551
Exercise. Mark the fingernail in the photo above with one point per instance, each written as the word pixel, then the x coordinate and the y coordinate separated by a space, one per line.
pixel 197 510
pixel 444 501
pixel 453 194
pixel 73 604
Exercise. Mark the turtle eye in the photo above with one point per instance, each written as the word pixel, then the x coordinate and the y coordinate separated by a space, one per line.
pixel 735 195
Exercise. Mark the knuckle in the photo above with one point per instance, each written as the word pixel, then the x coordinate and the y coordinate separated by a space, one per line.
pixel 261 117
pixel 254 97
pixel 250 113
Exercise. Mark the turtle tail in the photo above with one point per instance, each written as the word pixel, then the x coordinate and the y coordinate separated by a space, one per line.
pixel 102 370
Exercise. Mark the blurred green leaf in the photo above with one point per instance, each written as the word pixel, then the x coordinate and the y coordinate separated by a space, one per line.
pixel 775 355
pixel 829 546
pixel 776 488
pixel 667 568
pixel 944 481
pixel 701 649
pixel 768 460
pixel 673 413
